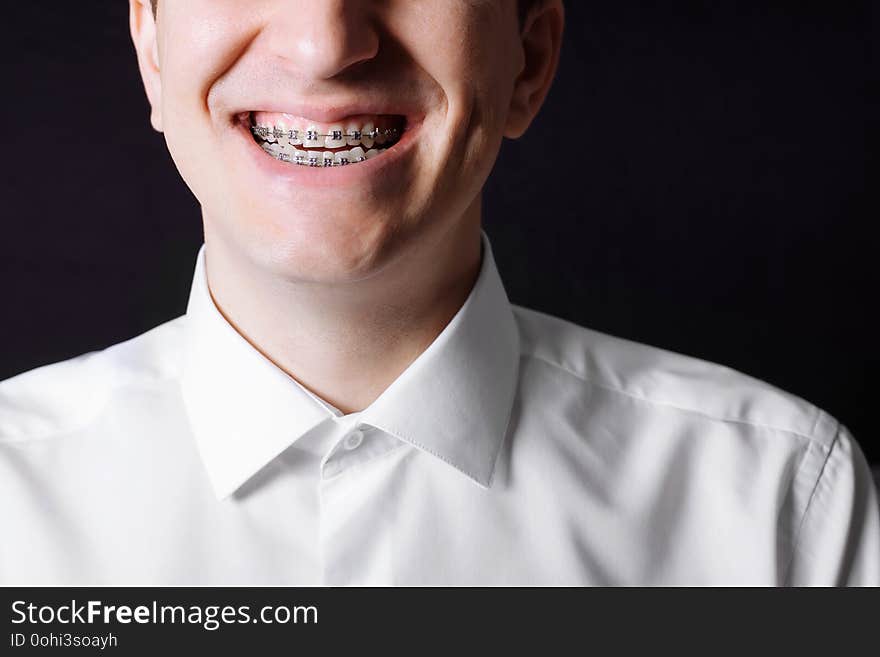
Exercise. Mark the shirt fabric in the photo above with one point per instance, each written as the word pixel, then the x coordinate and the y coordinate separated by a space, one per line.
pixel 518 448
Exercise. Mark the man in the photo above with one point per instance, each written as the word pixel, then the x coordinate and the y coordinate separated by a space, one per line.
pixel 350 397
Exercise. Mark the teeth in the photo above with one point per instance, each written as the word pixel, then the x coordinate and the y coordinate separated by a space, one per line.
pixel 357 154
pixel 311 139
pixel 353 134
pixel 279 141
pixel 321 159
pixel 367 137
pixel 279 131
pixel 335 137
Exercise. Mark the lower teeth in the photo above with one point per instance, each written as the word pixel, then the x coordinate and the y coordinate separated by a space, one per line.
pixel 321 159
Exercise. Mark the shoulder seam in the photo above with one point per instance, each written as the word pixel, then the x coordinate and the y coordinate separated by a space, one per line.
pixel 811 437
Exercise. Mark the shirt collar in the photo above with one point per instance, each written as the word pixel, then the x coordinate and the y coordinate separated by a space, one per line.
pixel 453 402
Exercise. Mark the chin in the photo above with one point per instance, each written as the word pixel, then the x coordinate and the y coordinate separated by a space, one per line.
pixel 336 248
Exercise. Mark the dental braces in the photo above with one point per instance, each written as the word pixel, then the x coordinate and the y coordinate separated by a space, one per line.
pixel 264 132
pixel 315 161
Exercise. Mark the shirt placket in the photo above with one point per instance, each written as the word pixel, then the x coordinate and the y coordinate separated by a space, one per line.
pixel 355 526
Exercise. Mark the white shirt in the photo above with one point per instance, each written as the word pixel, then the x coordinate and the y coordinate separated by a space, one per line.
pixel 517 449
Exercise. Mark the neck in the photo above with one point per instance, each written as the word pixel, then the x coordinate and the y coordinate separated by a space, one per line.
pixel 348 342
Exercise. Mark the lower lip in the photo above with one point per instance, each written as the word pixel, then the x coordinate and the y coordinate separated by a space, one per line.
pixel 320 177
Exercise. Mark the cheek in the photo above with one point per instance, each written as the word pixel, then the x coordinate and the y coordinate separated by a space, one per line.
pixel 202 40
pixel 480 98
pixel 471 57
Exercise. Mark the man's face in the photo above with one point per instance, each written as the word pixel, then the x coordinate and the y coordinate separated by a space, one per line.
pixel 439 76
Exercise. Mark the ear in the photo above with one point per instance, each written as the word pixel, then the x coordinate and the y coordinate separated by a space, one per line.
pixel 541 42
pixel 143 34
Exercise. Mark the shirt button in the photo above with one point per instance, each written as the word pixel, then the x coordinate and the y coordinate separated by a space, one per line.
pixel 353 440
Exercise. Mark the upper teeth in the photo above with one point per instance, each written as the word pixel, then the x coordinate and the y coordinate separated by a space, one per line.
pixel 335 137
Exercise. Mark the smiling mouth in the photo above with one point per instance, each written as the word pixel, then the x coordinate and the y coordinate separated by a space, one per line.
pixel 297 141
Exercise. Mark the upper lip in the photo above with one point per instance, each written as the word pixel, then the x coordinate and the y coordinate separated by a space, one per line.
pixel 332 111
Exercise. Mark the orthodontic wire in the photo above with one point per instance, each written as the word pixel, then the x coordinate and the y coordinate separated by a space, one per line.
pixel 311 135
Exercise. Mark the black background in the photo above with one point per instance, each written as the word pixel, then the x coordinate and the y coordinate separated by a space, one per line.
pixel 699 180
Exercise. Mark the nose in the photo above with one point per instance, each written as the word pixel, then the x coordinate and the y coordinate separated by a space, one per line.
pixel 324 38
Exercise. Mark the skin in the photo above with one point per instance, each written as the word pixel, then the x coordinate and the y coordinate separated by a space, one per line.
pixel 344 287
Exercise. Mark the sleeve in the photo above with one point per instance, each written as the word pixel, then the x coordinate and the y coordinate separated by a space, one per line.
pixel 838 543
